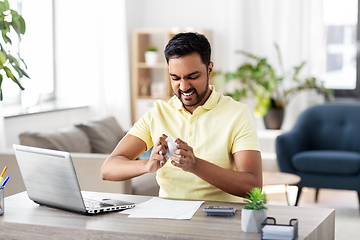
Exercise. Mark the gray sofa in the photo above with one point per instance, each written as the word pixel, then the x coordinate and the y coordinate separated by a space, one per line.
pixel 89 145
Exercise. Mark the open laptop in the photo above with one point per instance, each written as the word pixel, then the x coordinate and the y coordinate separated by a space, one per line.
pixel 50 179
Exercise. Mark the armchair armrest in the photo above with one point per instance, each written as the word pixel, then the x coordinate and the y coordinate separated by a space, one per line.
pixel 287 145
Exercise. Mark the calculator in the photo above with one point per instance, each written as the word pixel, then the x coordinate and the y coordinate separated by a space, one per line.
pixel 219 211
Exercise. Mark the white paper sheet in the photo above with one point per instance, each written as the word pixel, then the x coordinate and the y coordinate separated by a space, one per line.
pixel 164 208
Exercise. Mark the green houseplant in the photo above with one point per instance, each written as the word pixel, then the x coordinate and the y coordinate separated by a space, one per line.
pixel 256 200
pixel 11 64
pixel 254 212
pixel 269 89
pixel 152 48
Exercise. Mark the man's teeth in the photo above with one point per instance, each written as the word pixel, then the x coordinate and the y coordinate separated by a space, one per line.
pixel 188 94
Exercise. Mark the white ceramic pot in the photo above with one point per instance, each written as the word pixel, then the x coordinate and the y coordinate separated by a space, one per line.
pixel 251 220
pixel 151 58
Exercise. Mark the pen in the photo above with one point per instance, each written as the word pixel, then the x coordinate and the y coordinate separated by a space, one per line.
pixel 5 181
pixel 2 174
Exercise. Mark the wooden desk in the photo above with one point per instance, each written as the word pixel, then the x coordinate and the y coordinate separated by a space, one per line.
pixel 24 219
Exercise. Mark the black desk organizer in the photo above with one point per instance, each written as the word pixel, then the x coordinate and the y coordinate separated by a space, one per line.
pixel 272 221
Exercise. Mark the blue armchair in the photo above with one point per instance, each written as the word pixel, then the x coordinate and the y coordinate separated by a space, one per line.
pixel 323 148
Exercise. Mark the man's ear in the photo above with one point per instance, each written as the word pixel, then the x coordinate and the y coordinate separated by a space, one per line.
pixel 210 68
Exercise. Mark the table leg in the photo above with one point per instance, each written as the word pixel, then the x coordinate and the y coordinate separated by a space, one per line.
pixel 293 194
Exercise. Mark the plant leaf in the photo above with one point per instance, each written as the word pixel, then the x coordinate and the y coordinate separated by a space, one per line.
pixel 4 6
pixel 255 200
pixel 20 71
pixel 4 32
pixel 2 58
pixel 17 23
pixel 1 93
pixel 10 75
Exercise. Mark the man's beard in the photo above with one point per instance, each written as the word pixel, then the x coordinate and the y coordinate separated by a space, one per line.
pixel 199 97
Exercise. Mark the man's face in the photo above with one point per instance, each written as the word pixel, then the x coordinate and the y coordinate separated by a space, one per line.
pixel 190 80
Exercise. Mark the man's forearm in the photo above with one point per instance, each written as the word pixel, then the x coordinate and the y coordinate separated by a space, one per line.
pixel 119 168
pixel 230 181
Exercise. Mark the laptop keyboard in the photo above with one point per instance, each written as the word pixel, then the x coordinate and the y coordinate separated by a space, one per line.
pixel 91 204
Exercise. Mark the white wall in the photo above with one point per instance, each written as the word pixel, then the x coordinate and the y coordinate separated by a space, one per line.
pixel 205 14
pixel 92 51
pixel 42 122
pixel 250 25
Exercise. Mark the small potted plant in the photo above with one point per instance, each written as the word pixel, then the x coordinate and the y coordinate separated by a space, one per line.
pixel 254 212
pixel 151 55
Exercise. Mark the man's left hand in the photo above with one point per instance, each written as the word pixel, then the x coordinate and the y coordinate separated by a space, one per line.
pixel 187 161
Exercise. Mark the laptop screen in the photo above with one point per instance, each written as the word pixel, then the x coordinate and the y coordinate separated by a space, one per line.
pixel 50 178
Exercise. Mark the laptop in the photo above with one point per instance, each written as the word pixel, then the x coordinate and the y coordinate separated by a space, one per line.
pixel 50 179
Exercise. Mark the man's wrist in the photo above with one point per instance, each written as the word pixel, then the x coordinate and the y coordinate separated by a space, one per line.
pixel 197 165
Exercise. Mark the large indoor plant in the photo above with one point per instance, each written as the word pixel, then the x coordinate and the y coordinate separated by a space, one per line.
pixel 11 64
pixel 261 81
pixel 254 212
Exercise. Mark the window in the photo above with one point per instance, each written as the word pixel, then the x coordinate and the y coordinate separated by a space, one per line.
pixel 341 24
pixel 36 48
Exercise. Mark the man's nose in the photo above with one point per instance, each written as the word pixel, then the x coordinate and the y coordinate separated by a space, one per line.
pixel 184 85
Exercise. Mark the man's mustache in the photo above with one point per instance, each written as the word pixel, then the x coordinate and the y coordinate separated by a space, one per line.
pixel 187 91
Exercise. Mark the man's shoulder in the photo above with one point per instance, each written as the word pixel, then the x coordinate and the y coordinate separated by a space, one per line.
pixel 230 103
pixel 162 105
pixel 161 108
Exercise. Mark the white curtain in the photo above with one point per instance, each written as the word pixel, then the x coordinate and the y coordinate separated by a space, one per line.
pixel 92 57
pixel 296 26
pixel 115 98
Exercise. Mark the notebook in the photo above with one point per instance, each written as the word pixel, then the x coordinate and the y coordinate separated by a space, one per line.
pixel 50 179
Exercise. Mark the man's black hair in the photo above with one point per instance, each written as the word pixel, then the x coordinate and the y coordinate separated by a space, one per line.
pixel 183 44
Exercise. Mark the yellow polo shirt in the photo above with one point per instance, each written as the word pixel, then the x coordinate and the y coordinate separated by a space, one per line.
pixel 216 130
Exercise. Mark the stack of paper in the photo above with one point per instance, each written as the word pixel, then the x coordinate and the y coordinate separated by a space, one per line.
pixel 163 208
pixel 278 232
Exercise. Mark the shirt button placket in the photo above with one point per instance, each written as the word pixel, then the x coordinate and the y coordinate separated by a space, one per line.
pixel 192 131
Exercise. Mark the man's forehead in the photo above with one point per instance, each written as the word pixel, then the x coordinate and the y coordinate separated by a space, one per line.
pixel 187 65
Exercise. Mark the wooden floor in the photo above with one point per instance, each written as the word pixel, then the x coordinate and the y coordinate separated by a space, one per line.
pixel 345 203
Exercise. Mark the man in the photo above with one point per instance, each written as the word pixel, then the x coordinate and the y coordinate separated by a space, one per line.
pixel 218 149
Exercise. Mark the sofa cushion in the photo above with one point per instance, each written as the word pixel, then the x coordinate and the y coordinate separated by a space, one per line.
pixel 69 139
pixel 104 134
pixel 327 162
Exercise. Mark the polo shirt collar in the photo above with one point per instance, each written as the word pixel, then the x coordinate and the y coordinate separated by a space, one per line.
pixel 209 104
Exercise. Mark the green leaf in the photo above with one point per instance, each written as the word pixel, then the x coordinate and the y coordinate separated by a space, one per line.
pixel 2 25
pixel 6 38
pixel 4 6
pixel 2 58
pixel 20 71
pixel 22 60
pixel 1 93
pixel 256 200
pixel 10 75
pixel 22 25
pixel 17 23
pixel 12 59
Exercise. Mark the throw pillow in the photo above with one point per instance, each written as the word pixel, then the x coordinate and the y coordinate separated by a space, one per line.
pixel 104 134
pixel 69 139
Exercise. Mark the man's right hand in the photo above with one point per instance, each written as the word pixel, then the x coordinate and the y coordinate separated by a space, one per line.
pixel 156 159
